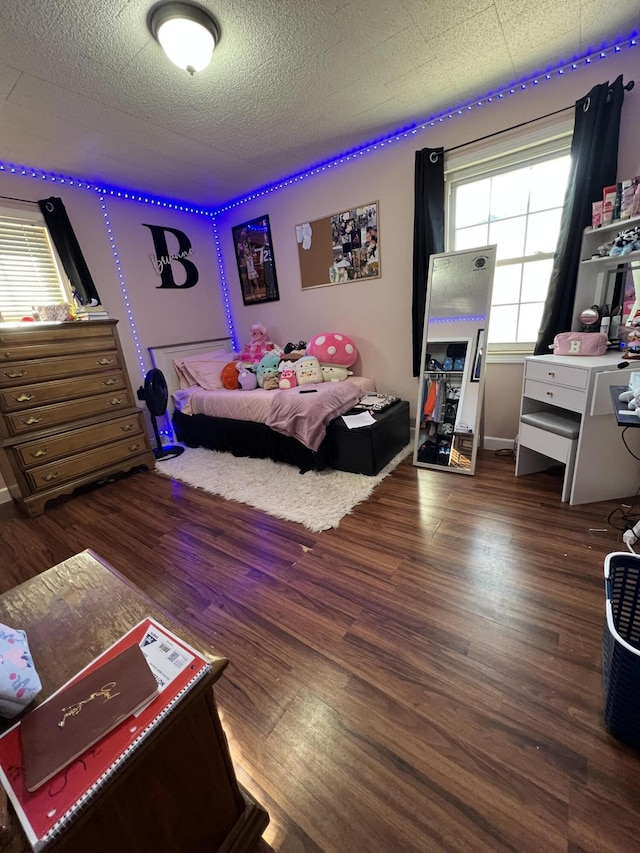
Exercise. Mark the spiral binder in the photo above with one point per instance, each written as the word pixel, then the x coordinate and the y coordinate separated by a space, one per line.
pixel 71 790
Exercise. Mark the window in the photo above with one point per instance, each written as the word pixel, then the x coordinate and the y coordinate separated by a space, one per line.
pixel 517 206
pixel 29 269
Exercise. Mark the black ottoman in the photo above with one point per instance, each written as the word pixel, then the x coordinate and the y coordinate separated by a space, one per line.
pixel 366 450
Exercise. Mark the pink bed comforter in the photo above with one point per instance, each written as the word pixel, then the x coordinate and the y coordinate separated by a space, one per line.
pixel 305 411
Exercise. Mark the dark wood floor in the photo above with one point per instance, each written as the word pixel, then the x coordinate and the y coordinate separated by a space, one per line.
pixel 426 677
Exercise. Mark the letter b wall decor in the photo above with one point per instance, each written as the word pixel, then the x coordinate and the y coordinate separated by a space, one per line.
pixel 163 257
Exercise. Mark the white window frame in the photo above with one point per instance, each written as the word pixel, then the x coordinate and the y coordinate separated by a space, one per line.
pixel 518 148
pixel 30 215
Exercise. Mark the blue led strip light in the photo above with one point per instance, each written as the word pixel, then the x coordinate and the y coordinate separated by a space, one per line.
pixel 479 318
pixel 440 118
pixel 123 286
pixel 224 287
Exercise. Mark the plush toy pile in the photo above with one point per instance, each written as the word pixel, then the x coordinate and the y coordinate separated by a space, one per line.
pixel 326 358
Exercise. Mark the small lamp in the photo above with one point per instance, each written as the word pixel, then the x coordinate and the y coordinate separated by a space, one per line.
pixel 187 33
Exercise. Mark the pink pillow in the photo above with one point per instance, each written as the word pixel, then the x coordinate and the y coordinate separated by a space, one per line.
pixel 190 369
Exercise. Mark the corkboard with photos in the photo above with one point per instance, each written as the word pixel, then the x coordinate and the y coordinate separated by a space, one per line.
pixel 340 248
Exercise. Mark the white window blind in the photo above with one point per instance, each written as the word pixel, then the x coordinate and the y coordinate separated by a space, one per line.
pixel 29 274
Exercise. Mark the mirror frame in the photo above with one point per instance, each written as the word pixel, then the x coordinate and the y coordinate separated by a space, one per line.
pixel 464 328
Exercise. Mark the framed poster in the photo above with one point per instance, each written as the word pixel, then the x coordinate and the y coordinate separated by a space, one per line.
pixel 256 264
pixel 340 248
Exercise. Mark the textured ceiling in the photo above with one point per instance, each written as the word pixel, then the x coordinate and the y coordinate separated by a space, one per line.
pixel 86 91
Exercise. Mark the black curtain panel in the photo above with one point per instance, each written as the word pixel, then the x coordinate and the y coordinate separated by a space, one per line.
pixel 69 250
pixel 594 165
pixel 428 234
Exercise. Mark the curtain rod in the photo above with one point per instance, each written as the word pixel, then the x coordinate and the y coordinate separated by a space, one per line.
pixel 628 87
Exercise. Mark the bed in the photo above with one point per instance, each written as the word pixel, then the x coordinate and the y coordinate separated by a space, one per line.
pixel 286 426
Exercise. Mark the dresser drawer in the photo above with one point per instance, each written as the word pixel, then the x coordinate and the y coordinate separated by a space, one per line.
pixel 28 396
pixel 22 344
pixel 40 370
pixel 556 395
pixel 57 446
pixel 558 374
pixel 90 462
pixel 45 417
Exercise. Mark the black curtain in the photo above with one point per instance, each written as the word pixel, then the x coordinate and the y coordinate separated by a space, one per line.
pixel 428 234
pixel 69 250
pixel 594 165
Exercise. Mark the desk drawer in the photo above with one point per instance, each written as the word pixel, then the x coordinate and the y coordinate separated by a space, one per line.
pixel 556 395
pixel 40 394
pixel 90 462
pixel 40 370
pixel 22 423
pixel 558 374
pixel 57 446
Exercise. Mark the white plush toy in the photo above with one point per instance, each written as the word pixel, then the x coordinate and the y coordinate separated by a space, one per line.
pixel 330 373
pixel 632 399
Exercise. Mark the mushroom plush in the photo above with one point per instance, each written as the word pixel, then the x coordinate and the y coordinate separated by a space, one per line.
pixel 333 350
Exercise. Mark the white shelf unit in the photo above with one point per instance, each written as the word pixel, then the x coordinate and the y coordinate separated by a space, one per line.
pixel 595 274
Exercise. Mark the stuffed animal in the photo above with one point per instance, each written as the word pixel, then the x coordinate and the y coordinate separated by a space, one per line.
pixel 334 374
pixel 308 370
pixel 229 376
pixel 332 348
pixel 287 375
pixel 258 346
pixel 294 351
pixel 247 379
pixel 268 368
pixel 625 242
pixel 271 383
pixel 632 399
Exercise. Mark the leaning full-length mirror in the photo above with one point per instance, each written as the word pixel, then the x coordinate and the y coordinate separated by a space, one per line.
pixel 451 385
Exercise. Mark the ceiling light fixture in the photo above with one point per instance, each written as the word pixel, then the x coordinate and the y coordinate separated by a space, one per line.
pixel 187 33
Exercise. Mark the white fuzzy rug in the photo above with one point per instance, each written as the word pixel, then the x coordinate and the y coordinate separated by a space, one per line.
pixel 318 500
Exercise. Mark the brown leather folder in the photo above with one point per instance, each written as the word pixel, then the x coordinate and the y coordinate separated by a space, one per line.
pixel 62 728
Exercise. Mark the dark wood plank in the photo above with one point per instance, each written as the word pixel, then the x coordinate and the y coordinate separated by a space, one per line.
pixel 427 676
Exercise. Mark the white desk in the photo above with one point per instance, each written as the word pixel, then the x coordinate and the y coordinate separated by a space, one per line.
pixel 604 469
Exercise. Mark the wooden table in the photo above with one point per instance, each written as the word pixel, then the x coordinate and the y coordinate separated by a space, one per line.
pixel 178 791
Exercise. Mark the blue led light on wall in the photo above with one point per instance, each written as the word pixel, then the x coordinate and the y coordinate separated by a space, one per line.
pixel 453 112
pixel 123 286
pixel 224 287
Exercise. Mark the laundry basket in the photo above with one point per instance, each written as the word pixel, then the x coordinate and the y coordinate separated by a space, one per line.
pixel 621 647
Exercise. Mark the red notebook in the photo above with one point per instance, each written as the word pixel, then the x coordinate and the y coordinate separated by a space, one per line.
pixel 61 729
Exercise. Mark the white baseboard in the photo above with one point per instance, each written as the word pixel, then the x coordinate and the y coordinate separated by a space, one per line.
pixel 493 443
pixel 5 497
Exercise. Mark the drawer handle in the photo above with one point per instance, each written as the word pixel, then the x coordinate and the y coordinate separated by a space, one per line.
pixel 103 361
pixel 7 354
pixel 127 427
pixel 52 476
pixel 133 447
pixel 38 453
pixel 31 420
pixel 112 381
pixel 22 398
pixel 551 373
pixel 15 374
pixel 549 393
pixel 115 401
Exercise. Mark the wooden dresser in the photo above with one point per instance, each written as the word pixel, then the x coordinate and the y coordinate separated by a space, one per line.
pixel 68 413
